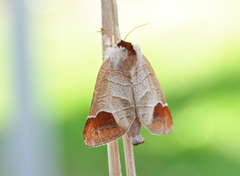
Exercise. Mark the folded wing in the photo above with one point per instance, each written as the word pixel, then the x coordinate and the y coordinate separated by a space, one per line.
pixel 151 104
pixel 112 109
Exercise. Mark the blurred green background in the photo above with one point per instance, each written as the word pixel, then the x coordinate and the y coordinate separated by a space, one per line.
pixel 194 48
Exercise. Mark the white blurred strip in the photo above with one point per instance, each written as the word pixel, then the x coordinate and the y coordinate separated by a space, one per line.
pixel 28 146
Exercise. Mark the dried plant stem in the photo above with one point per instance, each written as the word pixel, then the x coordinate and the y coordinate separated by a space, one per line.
pixel 129 157
pixel 109 24
pixel 113 159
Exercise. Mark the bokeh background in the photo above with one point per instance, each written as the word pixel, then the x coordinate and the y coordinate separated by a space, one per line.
pixel 49 59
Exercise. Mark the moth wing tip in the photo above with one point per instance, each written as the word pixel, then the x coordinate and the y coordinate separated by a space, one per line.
pixel 102 129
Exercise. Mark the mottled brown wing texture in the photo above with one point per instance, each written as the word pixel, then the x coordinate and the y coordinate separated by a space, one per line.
pixel 151 104
pixel 112 109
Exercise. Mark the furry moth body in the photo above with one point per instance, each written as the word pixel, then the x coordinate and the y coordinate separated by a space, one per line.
pixel 127 94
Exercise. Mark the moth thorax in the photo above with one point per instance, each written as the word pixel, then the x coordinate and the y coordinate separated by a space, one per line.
pixel 129 62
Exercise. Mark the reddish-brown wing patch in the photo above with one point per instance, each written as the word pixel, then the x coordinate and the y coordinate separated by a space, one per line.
pixel 101 129
pixel 162 120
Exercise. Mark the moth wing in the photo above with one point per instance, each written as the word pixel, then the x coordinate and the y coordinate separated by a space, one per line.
pixel 151 104
pixel 112 109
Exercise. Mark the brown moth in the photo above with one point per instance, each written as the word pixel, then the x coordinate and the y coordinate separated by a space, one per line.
pixel 127 94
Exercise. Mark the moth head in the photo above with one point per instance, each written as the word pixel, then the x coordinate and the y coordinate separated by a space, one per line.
pixel 124 55
pixel 131 60
pixel 128 46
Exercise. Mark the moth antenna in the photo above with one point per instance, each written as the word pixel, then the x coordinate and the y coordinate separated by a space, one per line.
pixel 134 29
pixel 102 31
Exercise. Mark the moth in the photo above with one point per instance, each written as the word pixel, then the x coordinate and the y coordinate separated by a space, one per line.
pixel 127 95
